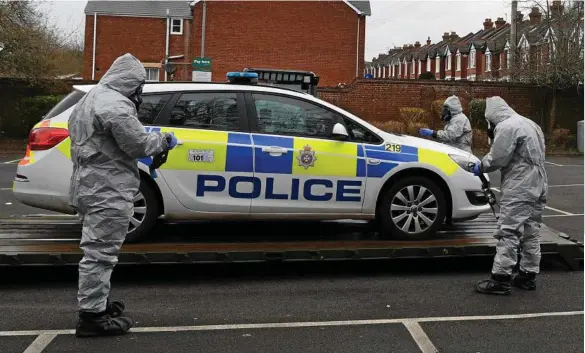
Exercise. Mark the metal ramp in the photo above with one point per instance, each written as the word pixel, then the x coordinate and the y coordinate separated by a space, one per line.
pixel 55 241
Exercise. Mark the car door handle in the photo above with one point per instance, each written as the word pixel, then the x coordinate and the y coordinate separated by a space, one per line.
pixel 180 142
pixel 274 150
pixel 374 161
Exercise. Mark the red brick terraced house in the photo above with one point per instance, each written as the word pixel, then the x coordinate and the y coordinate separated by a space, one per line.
pixel 481 56
pixel 326 37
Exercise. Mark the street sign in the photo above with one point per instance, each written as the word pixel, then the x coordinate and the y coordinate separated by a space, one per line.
pixel 202 64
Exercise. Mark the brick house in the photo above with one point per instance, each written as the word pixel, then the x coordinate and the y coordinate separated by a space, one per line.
pixel 485 54
pixel 236 34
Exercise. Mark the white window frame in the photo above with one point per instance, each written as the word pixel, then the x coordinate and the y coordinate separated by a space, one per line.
pixel 172 30
pixel 428 64
pixel 458 68
pixel 472 57
pixel 488 61
pixel 150 70
pixel 399 69
pixel 393 70
pixel 419 67
pixel 413 71
pixel 438 64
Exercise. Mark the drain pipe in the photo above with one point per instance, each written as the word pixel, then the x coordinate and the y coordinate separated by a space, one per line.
pixel 94 42
pixel 204 13
pixel 167 45
pixel 357 50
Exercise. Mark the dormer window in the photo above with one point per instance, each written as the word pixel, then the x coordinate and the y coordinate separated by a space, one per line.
pixel 438 64
pixel 428 64
pixel 488 61
pixel 472 57
pixel 458 61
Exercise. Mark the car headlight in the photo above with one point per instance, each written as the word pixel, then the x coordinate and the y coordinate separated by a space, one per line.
pixel 463 161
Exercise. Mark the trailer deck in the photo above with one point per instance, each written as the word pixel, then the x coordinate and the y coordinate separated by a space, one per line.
pixel 39 241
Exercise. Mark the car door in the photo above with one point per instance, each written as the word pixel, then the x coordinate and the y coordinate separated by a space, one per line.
pixel 302 169
pixel 211 169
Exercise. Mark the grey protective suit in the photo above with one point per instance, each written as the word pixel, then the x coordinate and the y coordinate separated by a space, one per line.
pixel 518 151
pixel 457 131
pixel 106 140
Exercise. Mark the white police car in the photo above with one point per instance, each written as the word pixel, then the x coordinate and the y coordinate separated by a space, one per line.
pixel 248 151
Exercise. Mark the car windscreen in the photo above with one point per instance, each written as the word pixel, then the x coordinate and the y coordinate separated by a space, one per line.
pixel 70 100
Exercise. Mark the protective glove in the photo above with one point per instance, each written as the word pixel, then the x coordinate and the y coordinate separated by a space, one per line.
pixel 425 132
pixel 476 170
pixel 171 140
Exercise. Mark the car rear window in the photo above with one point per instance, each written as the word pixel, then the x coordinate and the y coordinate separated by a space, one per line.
pixel 70 100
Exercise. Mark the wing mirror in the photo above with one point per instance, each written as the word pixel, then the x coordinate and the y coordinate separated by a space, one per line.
pixel 339 132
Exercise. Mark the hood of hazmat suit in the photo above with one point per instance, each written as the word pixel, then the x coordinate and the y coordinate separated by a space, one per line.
pixel 518 151
pixel 457 131
pixel 106 140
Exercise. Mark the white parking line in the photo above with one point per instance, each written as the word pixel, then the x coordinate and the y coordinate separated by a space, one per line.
pixel 564 186
pixel 309 323
pixel 5 189
pixel 40 343
pixel 547 207
pixel 420 337
pixel 11 162
pixel 558 165
pixel 562 215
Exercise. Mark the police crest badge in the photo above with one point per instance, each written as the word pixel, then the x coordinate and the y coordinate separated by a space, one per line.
pixel 307 157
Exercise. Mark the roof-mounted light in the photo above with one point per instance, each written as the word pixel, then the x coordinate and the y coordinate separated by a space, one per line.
pixel 242 77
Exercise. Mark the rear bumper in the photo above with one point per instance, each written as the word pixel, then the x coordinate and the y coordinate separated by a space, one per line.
pixel 45 182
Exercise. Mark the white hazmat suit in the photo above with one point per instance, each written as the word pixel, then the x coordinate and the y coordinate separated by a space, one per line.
pixel 518 151
pixel 457 131
pixel 106 140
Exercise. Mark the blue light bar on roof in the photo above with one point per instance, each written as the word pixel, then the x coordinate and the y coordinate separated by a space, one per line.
pixel 242 77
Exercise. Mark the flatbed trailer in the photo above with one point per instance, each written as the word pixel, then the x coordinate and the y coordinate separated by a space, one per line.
pixel 47 241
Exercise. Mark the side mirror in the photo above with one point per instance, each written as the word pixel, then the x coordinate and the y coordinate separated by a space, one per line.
pixel 339 132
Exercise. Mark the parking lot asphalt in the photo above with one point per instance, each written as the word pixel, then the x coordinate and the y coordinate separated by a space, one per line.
pixel 309 307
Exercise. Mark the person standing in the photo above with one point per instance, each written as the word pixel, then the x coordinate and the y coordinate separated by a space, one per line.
pixel 106 140
pixel 518 151
pixel 457 131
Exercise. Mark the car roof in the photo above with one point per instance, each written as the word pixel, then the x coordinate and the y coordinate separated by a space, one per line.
pixel 188 86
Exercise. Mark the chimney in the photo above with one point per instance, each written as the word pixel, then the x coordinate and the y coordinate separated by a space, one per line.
pixel 519 17
pixel 500 22
pixel 446 36
pixel 487 24
pixel 410 46
pixel 556 9
pixel 453 36
pixel 404 46
pixel 535 16
pixel 429 41
pixel 417 44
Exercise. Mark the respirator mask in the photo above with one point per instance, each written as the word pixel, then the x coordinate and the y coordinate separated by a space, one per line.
pixel 136 97
pixel 446 115
pixel 490 131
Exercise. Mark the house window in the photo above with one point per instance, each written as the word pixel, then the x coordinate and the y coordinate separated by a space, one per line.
pixel 152 74
pixel 177 26
pixel 413 71
pixel 429 64
pixel 399 70
pixel 449 62
pixel 419 67
pixel 458 61
pixel 508 59
pixel 438 64
pixel 488 62
pixel 472 58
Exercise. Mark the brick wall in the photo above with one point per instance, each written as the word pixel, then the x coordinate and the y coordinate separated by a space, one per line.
pixel 380 100
pixel 144 38
pixel 320 36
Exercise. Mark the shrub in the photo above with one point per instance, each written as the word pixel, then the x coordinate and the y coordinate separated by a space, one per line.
pixel 412 129
pixel 410 115
pixel 396 127
pixel 26 114
pixel 480 139
pixel 561 139
pixel 477 114
pixel 427 75
pixel 436 112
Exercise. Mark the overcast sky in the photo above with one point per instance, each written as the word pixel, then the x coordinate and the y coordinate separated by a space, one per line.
pixel 393 22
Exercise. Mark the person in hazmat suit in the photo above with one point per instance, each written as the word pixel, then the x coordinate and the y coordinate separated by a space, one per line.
pixel 518 151
pixel 106 140
pixel 457 131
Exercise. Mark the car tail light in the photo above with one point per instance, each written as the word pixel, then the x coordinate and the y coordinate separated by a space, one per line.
pixel 44 138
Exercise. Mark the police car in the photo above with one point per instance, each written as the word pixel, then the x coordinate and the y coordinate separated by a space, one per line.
pixel 250 151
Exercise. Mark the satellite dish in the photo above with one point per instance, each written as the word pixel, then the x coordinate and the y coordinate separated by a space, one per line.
pixel 170 68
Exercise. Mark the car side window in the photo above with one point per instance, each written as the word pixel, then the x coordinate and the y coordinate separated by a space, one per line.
pixel 151 107
pixel 360 134
pixel 288 116
pixel 207 110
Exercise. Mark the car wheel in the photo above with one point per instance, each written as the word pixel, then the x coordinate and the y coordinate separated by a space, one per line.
pixel 413 208
pixel 145 213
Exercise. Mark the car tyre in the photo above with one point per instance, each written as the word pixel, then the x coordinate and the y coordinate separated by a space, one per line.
pixel 145 213
pixel 412 209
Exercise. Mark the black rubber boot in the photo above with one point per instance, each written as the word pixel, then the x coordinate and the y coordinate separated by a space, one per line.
pixel 496 284
pixel 101 324
pixel 115 308
pixel 525 280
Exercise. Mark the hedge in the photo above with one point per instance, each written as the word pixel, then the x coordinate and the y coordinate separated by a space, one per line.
pixel 25 114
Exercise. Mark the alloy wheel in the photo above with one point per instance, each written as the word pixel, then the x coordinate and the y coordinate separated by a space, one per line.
pixel 139 212
pixel 414 209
